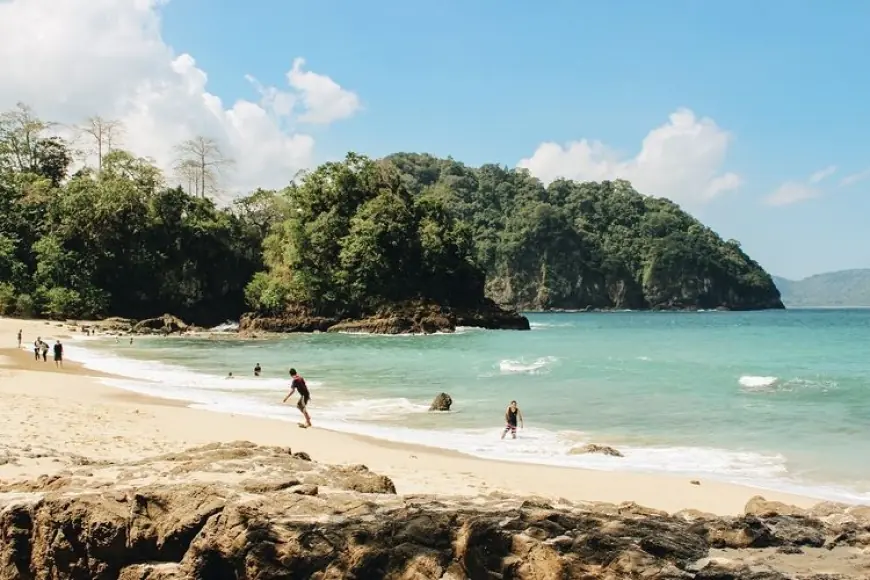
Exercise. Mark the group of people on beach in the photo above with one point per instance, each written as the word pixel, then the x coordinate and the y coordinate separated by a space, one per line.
pixel 40 350
pixel 513 416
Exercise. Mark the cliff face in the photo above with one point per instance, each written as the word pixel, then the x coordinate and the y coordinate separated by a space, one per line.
pixel 239 511
pixel 572 245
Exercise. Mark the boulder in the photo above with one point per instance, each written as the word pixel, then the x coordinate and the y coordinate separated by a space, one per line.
pixel 595 448
pixel 758 506
pixel 441 402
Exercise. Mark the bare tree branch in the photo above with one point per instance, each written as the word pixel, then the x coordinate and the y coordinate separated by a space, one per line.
pixel 105 133
pixel 200 162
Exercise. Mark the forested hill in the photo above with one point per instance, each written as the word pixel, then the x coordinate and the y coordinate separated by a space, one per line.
pixel 587 245
pixel 118 237
pixel 840 289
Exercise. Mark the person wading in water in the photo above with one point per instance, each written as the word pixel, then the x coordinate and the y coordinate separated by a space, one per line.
pixel 511 415
pixel 299 385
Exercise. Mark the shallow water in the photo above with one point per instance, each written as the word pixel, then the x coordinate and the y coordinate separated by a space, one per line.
pixel 779 399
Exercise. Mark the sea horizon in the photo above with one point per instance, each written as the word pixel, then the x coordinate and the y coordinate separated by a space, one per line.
pixel 776 399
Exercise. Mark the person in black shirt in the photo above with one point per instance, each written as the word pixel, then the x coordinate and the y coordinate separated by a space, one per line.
pixel 299 385
pixel 511 415
pixel 257 370
pixel 58 354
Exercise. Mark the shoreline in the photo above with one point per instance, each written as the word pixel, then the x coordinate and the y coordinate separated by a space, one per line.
pixel 155 424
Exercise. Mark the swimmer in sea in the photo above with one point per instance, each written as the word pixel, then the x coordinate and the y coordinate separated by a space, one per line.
pixel 511 415
pixel 257 370
pixel 299 385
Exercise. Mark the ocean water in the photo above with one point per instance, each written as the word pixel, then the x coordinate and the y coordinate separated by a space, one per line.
pixel 777 399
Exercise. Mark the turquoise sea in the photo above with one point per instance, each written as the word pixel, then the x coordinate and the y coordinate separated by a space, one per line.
pixel 779 399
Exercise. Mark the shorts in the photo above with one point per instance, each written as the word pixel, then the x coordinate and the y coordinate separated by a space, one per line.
pixel 302 404
pixel 511 427
pixel 58 357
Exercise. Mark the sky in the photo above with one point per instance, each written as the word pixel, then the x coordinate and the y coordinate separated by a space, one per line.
pixel 752 115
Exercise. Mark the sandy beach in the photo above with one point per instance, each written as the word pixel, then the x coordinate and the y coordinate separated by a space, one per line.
pixel 51 416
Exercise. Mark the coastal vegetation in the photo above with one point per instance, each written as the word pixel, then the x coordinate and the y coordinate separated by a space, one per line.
pixel 105 232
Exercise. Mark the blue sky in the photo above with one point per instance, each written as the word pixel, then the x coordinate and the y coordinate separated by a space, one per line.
pixel 488 81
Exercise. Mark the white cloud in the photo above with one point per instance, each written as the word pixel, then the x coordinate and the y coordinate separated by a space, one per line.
pixel 70 59
pixel 681 160
pixel 855 178
pixel 823 174
pixel 796 191
pixel 792 192
pixel 324 99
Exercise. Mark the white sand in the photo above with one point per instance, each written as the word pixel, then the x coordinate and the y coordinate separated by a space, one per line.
pixel 52 413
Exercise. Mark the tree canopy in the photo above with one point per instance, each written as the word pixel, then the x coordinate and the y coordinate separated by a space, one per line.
pixel 114 238
pixel 111 239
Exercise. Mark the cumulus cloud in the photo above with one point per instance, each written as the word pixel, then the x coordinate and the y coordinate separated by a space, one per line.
pixel 71 59
pixel 792 192
pixel 681 160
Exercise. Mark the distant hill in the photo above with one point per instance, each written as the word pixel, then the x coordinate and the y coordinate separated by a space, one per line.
pixel 833 289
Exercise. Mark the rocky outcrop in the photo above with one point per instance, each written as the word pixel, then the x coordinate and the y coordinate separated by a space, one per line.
pixel 407 318
pixel 441 402
pixel 166 324
pixel 242 511
pixel 594 448
pixel 115 325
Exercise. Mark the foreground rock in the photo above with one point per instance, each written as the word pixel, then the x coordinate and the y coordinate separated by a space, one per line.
pixel 411 318
pixel 246 512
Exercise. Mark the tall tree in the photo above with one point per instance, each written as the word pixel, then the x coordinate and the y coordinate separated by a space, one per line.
pixel 199 162
pixel 105 133
pixel 20 132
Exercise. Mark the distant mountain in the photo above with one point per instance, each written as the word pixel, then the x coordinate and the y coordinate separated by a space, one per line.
pixel 833 289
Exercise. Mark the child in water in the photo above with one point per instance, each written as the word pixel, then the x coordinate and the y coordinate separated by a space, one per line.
pixel 511 415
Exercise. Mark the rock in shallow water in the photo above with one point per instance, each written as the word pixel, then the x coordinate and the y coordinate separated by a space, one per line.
pixel 441 402
pixel 246 512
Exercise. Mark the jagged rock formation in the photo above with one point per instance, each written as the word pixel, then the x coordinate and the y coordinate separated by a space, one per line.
pixel 239 511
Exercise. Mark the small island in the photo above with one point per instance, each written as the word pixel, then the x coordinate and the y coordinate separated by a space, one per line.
pixel 406 244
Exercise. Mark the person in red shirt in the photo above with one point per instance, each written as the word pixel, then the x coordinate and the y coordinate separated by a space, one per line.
pixel 298 385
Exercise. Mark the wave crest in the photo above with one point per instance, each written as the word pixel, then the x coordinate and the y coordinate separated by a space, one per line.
pixel 511 366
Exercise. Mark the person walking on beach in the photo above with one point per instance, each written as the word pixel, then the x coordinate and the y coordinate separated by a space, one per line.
pixel 299 385
pixel 19 338
pixel 511 415
pixel 44 346
pixel 37 345
pixel 58 354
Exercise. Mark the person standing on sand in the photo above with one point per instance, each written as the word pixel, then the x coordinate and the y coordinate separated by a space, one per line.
pixel 44 347
pixel 511 415
pixel 299 385
pixel 58 354
pixel 19 338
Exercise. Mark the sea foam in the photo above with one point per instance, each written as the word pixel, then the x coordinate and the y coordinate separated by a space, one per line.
pixel 757 383
pixel 521 366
